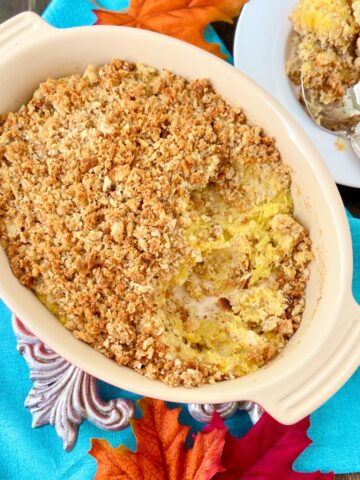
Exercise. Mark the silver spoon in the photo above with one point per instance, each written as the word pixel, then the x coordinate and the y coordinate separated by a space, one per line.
pixel 341 117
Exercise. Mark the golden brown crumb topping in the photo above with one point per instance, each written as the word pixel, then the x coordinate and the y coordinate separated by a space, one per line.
pixel 109 186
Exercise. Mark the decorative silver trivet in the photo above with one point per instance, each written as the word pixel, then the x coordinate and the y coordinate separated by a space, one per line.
pixel 203 413
pixel 63 395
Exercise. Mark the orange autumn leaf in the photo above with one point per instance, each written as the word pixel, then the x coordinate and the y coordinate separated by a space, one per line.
pixel 161 453
pixel 182 19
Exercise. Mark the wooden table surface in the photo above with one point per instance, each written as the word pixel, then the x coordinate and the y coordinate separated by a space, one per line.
pixel 350 476
pixel 350 196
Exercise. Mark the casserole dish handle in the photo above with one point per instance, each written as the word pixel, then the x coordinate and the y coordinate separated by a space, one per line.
pixel 19 29
pixel 334 364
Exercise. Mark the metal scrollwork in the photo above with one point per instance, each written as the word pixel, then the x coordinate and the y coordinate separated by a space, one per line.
pixel 203 413
pixel 63 395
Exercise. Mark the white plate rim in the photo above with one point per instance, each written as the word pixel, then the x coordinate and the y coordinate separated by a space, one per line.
pixel 260 43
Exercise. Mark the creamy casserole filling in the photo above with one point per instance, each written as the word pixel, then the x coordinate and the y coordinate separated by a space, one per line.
pixel 154 222
pixel 326 50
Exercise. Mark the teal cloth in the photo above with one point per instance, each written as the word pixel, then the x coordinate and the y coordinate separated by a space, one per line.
pixel 32 454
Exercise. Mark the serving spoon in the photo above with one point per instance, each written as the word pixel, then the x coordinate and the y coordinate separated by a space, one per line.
pixel 341 117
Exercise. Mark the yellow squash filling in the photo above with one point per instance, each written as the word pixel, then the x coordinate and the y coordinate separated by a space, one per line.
pixel 325 17
pixel 326 47
pixel 224 307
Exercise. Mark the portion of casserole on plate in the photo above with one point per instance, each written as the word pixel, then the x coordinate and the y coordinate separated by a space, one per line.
pixel 326 49
pixel 154 222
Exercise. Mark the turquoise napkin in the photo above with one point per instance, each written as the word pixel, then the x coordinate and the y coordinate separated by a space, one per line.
pixel 28 454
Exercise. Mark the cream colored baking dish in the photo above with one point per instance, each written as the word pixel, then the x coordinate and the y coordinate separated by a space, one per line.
pixel 326 349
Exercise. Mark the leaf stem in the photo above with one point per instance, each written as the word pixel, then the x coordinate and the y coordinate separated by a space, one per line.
pixel 96 4
pixel 100 7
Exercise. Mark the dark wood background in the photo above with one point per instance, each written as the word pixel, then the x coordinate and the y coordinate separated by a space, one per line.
pixel 350 196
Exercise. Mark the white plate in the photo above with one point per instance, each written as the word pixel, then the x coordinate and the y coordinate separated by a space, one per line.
pixel 260 50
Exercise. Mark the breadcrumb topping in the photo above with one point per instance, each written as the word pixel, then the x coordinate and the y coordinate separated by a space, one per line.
pixel 130 198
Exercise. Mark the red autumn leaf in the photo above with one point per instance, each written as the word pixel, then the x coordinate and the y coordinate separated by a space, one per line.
pixel 266 452
pixel 161 452
pixel 182 19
